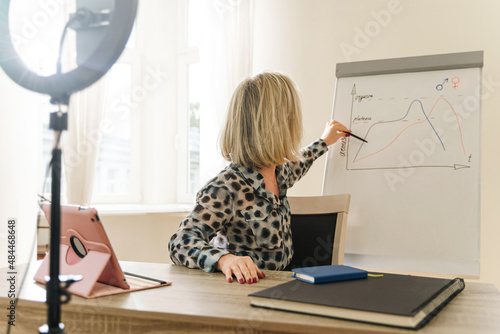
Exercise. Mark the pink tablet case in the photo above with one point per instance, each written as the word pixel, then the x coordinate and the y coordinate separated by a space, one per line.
pixel 100 269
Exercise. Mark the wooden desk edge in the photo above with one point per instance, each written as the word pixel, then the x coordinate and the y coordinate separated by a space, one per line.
pixel 261 321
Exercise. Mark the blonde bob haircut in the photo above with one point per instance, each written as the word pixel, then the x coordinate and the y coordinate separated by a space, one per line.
pixel 263 123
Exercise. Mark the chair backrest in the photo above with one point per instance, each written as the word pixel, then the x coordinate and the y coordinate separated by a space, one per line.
pixel 318 229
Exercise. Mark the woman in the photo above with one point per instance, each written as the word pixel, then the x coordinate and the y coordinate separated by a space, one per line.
pixel 241 221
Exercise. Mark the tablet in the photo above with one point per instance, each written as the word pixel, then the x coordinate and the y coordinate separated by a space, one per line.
pixel 83 233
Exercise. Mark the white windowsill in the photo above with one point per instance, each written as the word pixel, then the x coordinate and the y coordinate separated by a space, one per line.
pixel 139 209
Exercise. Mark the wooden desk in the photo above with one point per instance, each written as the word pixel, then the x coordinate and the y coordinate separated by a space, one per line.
pixel 205 303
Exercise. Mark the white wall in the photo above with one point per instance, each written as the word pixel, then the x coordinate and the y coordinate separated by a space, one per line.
pixel 304 38
pixel 143 237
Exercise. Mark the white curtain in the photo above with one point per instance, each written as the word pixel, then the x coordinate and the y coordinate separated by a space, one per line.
pixel 80 144
pixel 226 55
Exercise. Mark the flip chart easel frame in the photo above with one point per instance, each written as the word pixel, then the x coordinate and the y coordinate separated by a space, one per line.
pixel 390 247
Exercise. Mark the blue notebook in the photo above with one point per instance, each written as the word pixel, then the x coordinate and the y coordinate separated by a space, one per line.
pixel 324 274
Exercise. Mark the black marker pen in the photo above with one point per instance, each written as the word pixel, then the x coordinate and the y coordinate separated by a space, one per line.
pixel 352 134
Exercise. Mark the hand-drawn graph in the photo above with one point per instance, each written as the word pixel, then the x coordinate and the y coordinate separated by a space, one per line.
pixel 415 183
pixel 416 126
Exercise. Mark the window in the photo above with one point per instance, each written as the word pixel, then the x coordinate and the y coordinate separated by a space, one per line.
pixel 114 159
pixel 117 174
pixel 118 171
pixel 194 91
pixel 189 106
pixel 149 150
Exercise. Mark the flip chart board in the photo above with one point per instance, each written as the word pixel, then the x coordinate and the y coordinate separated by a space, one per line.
pixel 415 185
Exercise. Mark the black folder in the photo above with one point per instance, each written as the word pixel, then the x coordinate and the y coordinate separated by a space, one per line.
pixel 395 300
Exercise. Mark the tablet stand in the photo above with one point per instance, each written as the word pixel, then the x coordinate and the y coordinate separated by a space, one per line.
pixel 92 266
pixel 96 267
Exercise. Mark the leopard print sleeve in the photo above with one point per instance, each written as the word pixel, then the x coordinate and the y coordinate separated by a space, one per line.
pixel 189 246
pixel 296 169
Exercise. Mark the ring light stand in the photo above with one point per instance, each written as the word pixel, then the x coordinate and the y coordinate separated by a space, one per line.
pixel 59 87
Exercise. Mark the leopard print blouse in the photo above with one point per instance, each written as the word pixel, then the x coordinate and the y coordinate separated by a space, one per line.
pixel 234 213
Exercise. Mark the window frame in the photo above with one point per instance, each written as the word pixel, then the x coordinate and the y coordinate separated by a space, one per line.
pixel 187 55
pixel 134 58
pixel 160 181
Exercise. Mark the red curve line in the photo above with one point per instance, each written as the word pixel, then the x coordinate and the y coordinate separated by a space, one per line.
pixel 441 98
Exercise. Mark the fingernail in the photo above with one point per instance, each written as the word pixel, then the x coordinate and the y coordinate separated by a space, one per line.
pixel 241 280
pixel 255 279
pixel 263 275
pixel 230 279
pixel 249 281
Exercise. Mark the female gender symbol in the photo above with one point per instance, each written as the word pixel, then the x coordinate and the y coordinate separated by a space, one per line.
pixel 455 82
